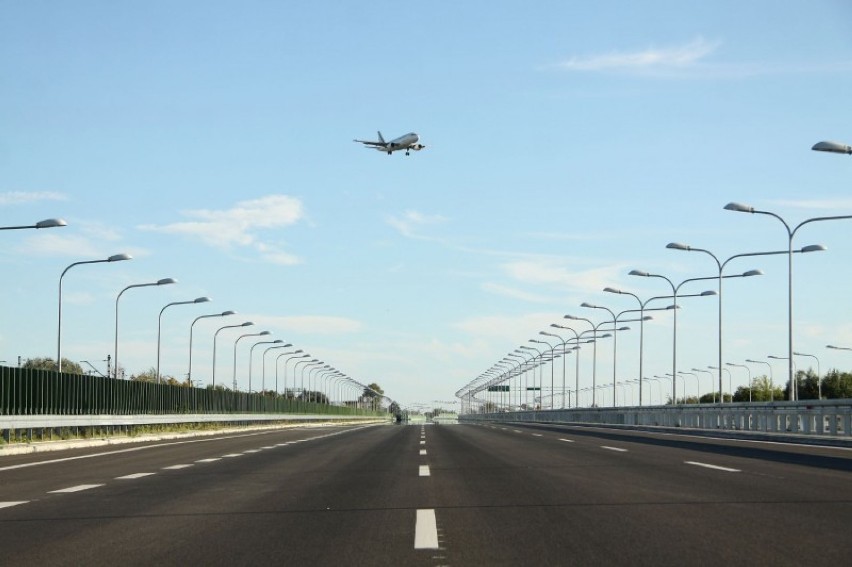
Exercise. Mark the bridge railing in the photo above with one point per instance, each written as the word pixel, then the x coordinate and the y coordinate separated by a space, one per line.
pixel 810 417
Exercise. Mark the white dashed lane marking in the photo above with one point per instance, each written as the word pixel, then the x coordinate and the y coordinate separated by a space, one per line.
pixel 424 470
pixel 422 451
pixel 536 434
pixel 232 455
pixel 176 467
pixel 10 504
pixel 567 440
pixel 608 448
pixel 134 476
pixel 426 530
pixel 78 488
pixel 213 460
pixel 714 467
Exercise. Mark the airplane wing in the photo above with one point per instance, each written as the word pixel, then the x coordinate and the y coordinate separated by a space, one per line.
pixel 373 144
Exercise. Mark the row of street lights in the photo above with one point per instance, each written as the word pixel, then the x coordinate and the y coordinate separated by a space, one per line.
pixel 499 373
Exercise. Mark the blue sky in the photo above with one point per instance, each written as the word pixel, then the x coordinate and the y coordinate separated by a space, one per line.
pixel 568 143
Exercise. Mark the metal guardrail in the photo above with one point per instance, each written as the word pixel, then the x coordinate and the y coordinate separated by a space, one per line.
pixel 805 418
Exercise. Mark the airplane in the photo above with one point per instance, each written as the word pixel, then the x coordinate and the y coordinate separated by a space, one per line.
pixel 406 142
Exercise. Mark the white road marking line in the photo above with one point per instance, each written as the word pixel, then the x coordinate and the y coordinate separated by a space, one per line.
pixel 232 455
pixel 10 504
pixel 177 467
pixel 252 451
pixel 516 430
pixel 78 488
pixel 423 442
pixel 134 476
pixel 714 467
pixel 426 530
pixel 424 470
pixel 567 440
pixel 422 451
pixel 268 447
pixel 619 449
pixel 213 460
pixel 536 434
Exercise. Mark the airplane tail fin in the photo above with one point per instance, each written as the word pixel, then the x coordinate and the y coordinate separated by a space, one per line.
pixel 381 138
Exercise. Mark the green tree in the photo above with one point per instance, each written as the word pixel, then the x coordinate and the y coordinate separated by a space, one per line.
pixel 807 385
pixel 46 363
pixel 372 395
pixel 837 384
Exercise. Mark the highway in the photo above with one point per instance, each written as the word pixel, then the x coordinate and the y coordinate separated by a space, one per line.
pixel 430 495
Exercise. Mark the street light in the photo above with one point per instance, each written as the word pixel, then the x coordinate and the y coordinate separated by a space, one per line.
pixel 160 322
pixel 791 232
pixel 771 380
pixel 286 360
pixel 263 363
pixel 794 382
pixel 47 223
pixel 819 380
pixel 838 347
pixel 749 375
pixel 260 334
pixel 164 281
pixel 251 353
pixel 721 266
pixel 222 314
pixel 833 147
pixel 113 258
pixel 246 324
pixel 712 389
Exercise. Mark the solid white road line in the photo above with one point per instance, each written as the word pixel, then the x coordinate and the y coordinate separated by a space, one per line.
pixel 567 440
pixel 176 467
pixel 10 504
pixel 714 467
pixel 134 476
pixel 619 449
pixel 77 488
pixel 426 530
pixel 424 470
pixel 422 451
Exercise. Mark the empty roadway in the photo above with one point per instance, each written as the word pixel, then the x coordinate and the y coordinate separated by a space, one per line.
pixel 433 495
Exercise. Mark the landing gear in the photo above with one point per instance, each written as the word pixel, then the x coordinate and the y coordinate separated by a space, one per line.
pixel 406 152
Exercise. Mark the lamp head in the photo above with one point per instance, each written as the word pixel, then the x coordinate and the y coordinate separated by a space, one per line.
pixel 750 273
pixel 587 304
pixel 739 207
pixel 50 223
pixel 263 333
pixel 833 147
pixel 677 246
pixel 709 292
pixel 638 273
pixel 813 248
pixel 166 281
pixel 612 290
pixel 119 257
pixel 204 299
pixel 247 324
pixel 226 313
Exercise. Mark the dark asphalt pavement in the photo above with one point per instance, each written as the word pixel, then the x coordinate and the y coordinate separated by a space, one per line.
pixel 498 495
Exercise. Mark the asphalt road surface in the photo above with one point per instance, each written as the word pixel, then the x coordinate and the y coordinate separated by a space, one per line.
pixel 430 495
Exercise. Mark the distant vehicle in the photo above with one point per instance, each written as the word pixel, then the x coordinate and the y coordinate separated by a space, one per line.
pixel 405 142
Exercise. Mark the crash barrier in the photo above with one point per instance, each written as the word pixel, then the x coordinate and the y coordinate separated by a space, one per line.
pixel 810 417
pixel 25 391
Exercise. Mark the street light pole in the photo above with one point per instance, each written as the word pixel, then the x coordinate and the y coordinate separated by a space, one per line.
pixel 216 334
pixel 819 379
pixel 222 314
pixel 260 334
pixel 164 281
pixel 791 232
pixel 113 258
pixel 749 375
pixel 251 355
pixel 160 324
pixel 771 380
pixel 47 223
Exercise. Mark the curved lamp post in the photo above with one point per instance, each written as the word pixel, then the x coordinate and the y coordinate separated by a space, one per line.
pixel 222 314
pixel 771 380
pixel 260 334
pixel 204 299
pixel 749 376
pixel 246 324
pixel 251 354
pixel 164 281
pixel 263 363
pixel 819 379
pixel 113 258
pixel 791 232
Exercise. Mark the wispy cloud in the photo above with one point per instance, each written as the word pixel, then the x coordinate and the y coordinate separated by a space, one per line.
pixel 240 225
pixel 513 293
pixel 554 272
pixel 647 60
pixel 411 222
pixel 23 197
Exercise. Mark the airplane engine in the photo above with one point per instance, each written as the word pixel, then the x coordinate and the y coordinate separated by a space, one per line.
pixel 418 147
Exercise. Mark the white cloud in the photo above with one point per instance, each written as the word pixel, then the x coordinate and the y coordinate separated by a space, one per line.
pixel 20 197
pixel 677 57
pixel 842 204
pixel 507 328
pixel 239 225
pixel 306 324
pixel 553 272
pixel 513 293
pixel 411 221
pixel 52 244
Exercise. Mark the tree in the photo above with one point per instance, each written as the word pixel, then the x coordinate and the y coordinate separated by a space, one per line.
pixel 46 363
pixel 807 385
pixel 314 397
pixel 372 394
pixel 837 384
